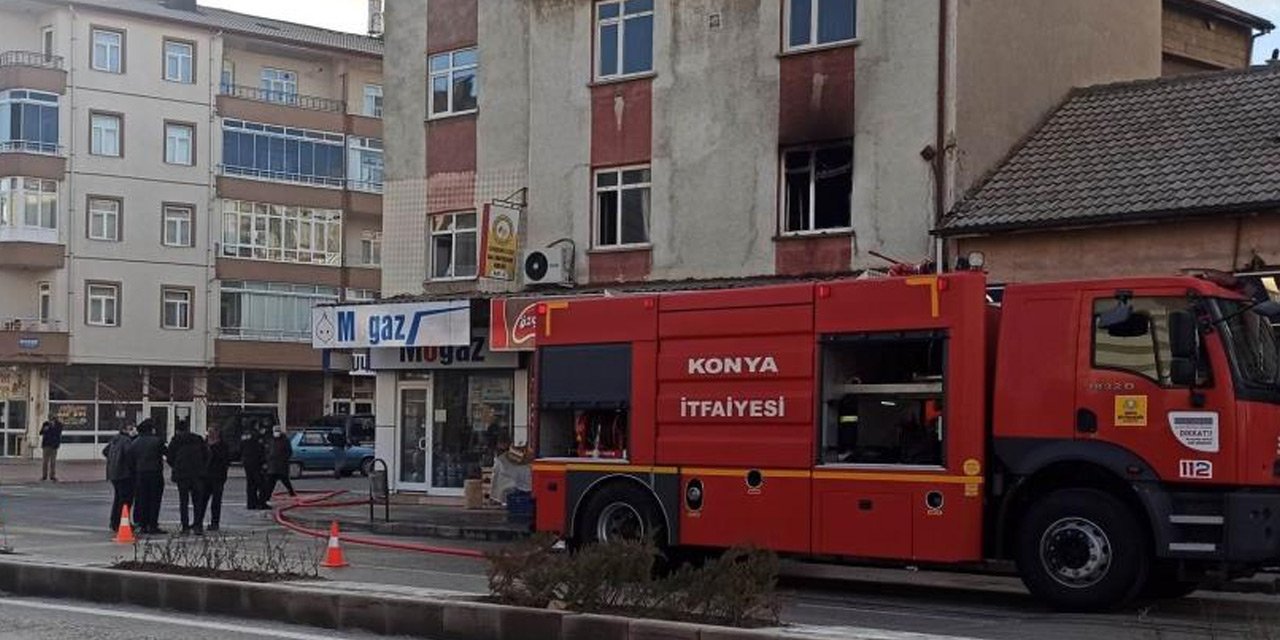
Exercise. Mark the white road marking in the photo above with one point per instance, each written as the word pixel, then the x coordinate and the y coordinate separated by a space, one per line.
pixel 180 622
pixel 859 633
pixel 883 612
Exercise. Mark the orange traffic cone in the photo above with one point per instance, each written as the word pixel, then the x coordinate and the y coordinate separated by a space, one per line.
pixel 124 535
pixel 333 557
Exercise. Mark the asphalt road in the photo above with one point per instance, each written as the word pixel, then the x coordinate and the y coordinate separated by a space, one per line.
pixel 67 523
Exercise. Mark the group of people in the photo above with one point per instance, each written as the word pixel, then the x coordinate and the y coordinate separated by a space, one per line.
pixel 136 458
pixel 265 466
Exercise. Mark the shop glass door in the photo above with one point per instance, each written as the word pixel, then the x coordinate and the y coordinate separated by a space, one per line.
pixel 415 411
pixel 13 427
pixel 472 418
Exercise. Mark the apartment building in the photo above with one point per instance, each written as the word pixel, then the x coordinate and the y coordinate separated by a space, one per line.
pixel 1208 35
pixel 681 143
pixel 178 186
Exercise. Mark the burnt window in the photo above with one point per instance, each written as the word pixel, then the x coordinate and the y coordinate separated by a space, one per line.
pixel 819 188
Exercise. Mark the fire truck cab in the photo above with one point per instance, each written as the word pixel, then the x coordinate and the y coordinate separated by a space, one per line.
pixel 1114 438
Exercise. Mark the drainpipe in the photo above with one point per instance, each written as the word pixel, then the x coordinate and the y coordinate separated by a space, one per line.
pixel 939 159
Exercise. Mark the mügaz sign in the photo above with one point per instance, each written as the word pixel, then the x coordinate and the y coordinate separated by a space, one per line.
pixel 473 355
pixel 410 324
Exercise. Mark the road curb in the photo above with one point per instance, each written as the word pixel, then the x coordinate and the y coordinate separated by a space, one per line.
pixel 418 529
pixel 388 614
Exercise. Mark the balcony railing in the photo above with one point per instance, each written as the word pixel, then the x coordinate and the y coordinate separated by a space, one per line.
pixel 30 59
pixel 283 176
pixel 32 325
pixel 30 146
pixel 264 335
pixel 312 103
pixel 367 186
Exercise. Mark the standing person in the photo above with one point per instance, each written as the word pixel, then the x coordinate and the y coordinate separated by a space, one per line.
pixel 338 442
pixel 253 458
pixel 50 441
pixel 147 452
pixel 188 457
pixel 278 463
pixel 120 472
pixel 215 477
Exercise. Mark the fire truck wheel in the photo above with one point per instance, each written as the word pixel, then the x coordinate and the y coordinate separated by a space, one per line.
pixel 619 512
pixel 1082 550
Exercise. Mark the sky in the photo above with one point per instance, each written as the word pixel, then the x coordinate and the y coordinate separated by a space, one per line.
pixel 351 15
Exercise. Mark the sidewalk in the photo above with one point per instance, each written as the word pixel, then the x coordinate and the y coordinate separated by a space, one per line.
pixel 26 471
pixel 414 516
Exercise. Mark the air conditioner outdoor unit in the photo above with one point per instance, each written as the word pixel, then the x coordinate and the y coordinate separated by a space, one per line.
pixel 549 265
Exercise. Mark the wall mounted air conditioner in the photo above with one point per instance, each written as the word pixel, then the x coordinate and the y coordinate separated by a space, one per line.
pixel 552 265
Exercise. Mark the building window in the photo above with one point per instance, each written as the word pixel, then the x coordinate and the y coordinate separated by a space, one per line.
pixel 102 304
pixel 104 137
pixel 178 223
pixel 279 85
pixel 454 252
pixel 281 233
pixel 271 311
pixel 108 51
pixel 622 207
pixel 179 61
pixel 28 121
pixel 228 78
pixel 362 295
pixel 46 42
pixel 813 23
pixel 819 188
pixel 176 308
pixel 371 248
pixel 286 154
pixel 373 100
pixel 454 88
pixel 365 164
pixel 29 202
pixel 95 402
pixel 104 219
pixel 624 38
pixel 179 141
pixel 45 299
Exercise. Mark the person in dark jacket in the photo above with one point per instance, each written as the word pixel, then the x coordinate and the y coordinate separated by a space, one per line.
pixel 253 457
pixel 278 463
pixel 188 457
pixel 338 443
pixel 147 452
pixel 215 477
pixel 120 472
pixel 50 441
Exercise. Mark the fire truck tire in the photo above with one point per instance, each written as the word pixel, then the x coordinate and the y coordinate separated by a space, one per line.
pixel 1082 550
pixel 619 511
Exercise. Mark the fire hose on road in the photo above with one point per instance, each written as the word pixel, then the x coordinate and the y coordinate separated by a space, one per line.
pixel 329 499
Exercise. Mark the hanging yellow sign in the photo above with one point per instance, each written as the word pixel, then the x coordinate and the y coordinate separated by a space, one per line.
pixel 501 243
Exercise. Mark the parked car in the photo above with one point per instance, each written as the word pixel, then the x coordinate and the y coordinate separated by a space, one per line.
pixel 313 452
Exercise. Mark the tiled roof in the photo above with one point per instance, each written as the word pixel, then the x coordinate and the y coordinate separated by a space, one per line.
pixel 240 23
pixel 1151 149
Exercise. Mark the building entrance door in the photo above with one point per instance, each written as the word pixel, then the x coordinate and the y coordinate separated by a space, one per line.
pixel 413 461
pixel 13 426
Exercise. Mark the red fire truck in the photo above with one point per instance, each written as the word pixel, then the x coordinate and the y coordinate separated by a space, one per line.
pixel 1114 438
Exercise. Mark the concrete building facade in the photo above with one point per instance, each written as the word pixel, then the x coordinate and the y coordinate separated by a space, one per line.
pixel 180 186
pixel 668 141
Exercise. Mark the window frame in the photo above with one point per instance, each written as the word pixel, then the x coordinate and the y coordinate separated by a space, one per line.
pixel 453 233
pixel 286 78
pixel 619 188
pixel 190 128
pixel 448 73
pixel 42 102
pixel 14 194
pixel 371 248
pixel 261 216
pixel 371 105
pixel 189 318
pixel 48 42
pixel 115 298
pixel 118 214
pixel 44 301
pixel 119 133
pixel 259 292
pixel 190 223
pixel 814 20
pixel 94 30
pixel 620 21
pixel 264 134
pixel 812 150
pixel 191 60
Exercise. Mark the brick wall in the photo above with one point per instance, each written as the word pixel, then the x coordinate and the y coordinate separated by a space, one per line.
pixel 1147 249
pixel 1211 42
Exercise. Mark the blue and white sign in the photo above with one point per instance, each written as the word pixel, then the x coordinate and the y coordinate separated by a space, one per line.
pixel 408 324
pixel 475 355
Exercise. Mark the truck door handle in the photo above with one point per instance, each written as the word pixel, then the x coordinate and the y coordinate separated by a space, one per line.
pixel 1086 421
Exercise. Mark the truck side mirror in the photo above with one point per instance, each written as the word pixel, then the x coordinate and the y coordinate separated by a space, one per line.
pixel 1184 347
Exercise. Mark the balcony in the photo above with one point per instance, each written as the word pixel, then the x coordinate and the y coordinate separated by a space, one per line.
pixel 281 108
pixel 29 340
pixel 32 70
pixel 34 248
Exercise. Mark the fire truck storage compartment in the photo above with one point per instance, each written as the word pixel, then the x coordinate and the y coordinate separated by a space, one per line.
pixel 584 401
pixel 883 398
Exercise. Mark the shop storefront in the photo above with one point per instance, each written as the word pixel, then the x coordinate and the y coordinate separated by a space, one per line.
pixel 13 410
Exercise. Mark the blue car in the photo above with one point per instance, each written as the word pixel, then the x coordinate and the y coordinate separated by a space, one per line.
pixel 312 452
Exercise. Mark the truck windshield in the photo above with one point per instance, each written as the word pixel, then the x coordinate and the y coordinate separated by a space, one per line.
pixel 1252 342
